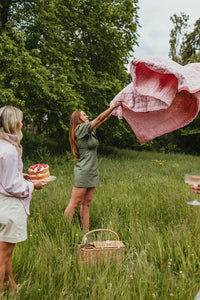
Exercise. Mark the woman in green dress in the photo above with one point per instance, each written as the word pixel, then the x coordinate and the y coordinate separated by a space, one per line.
pixel 84 143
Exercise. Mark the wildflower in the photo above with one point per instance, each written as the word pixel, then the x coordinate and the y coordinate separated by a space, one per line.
pixel 169 264
pixel 88 278
pixel 175 165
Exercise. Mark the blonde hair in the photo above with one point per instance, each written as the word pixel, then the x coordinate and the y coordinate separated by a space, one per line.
pixel 74 123
pixel 10 123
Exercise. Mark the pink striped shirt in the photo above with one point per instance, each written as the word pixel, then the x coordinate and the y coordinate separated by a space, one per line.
pixel 12 182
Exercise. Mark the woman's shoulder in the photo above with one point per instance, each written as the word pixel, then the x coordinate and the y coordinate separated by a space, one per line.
pixel 83 129
pixel 7 148
pixel 84 125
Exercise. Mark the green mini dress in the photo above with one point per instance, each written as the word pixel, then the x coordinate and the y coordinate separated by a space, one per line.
pixel 86 169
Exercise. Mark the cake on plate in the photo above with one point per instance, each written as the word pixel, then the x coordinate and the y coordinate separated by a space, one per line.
pixel 39 171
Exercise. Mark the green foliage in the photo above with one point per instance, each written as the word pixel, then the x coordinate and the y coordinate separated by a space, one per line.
pixel 190 48
pixel 184 45
pixel 176 35
pixel 38 147
pixel 58 56
pixel 25 82
pixel 144 200
pixel 184 49
pixel 4 11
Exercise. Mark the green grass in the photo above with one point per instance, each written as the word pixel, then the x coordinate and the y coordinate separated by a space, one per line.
pixel 143 198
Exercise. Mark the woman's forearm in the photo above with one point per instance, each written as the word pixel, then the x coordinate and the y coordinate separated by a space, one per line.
pixel 104 115
pixel 105 119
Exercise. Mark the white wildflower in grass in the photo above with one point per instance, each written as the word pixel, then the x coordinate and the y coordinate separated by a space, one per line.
pixel 89 279
pixel 109 285
pixel 153 295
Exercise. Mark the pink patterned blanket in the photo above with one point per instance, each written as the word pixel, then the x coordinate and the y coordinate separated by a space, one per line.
pixel 163 96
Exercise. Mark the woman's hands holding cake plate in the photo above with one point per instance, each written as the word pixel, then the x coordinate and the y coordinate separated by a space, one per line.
pixel 39 184
pixel 39 174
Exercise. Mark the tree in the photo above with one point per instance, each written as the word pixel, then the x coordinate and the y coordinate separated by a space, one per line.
pixel 25 82
pixel 190 48
pixel 68 55
pixel 177 36
pixel 185 48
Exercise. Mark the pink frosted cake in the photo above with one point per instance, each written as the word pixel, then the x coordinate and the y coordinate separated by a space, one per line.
pixel 39 171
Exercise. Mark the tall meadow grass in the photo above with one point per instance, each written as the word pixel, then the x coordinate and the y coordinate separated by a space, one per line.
pixel 143 198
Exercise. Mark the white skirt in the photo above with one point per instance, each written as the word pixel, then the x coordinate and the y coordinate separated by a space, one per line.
pixel 13 220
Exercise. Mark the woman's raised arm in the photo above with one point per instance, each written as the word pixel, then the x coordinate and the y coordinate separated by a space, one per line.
pixel 105 115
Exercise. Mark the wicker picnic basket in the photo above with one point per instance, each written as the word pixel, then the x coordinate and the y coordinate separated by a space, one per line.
pixel 100 251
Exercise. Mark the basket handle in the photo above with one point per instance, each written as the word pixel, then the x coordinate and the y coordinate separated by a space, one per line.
pixel 99 230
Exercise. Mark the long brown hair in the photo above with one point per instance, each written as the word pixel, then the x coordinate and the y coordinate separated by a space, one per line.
pixel 74 123
pixel 10 120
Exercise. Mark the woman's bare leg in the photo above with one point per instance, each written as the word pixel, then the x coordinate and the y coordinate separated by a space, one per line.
pixel 9 277
pixel 84 210
pixel 6 250
pixel 77 197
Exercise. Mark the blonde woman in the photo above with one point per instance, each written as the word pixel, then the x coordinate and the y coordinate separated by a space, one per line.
pixel 84 143
pixel 15 191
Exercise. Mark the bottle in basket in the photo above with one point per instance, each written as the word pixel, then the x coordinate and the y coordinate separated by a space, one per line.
pixel 85 242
